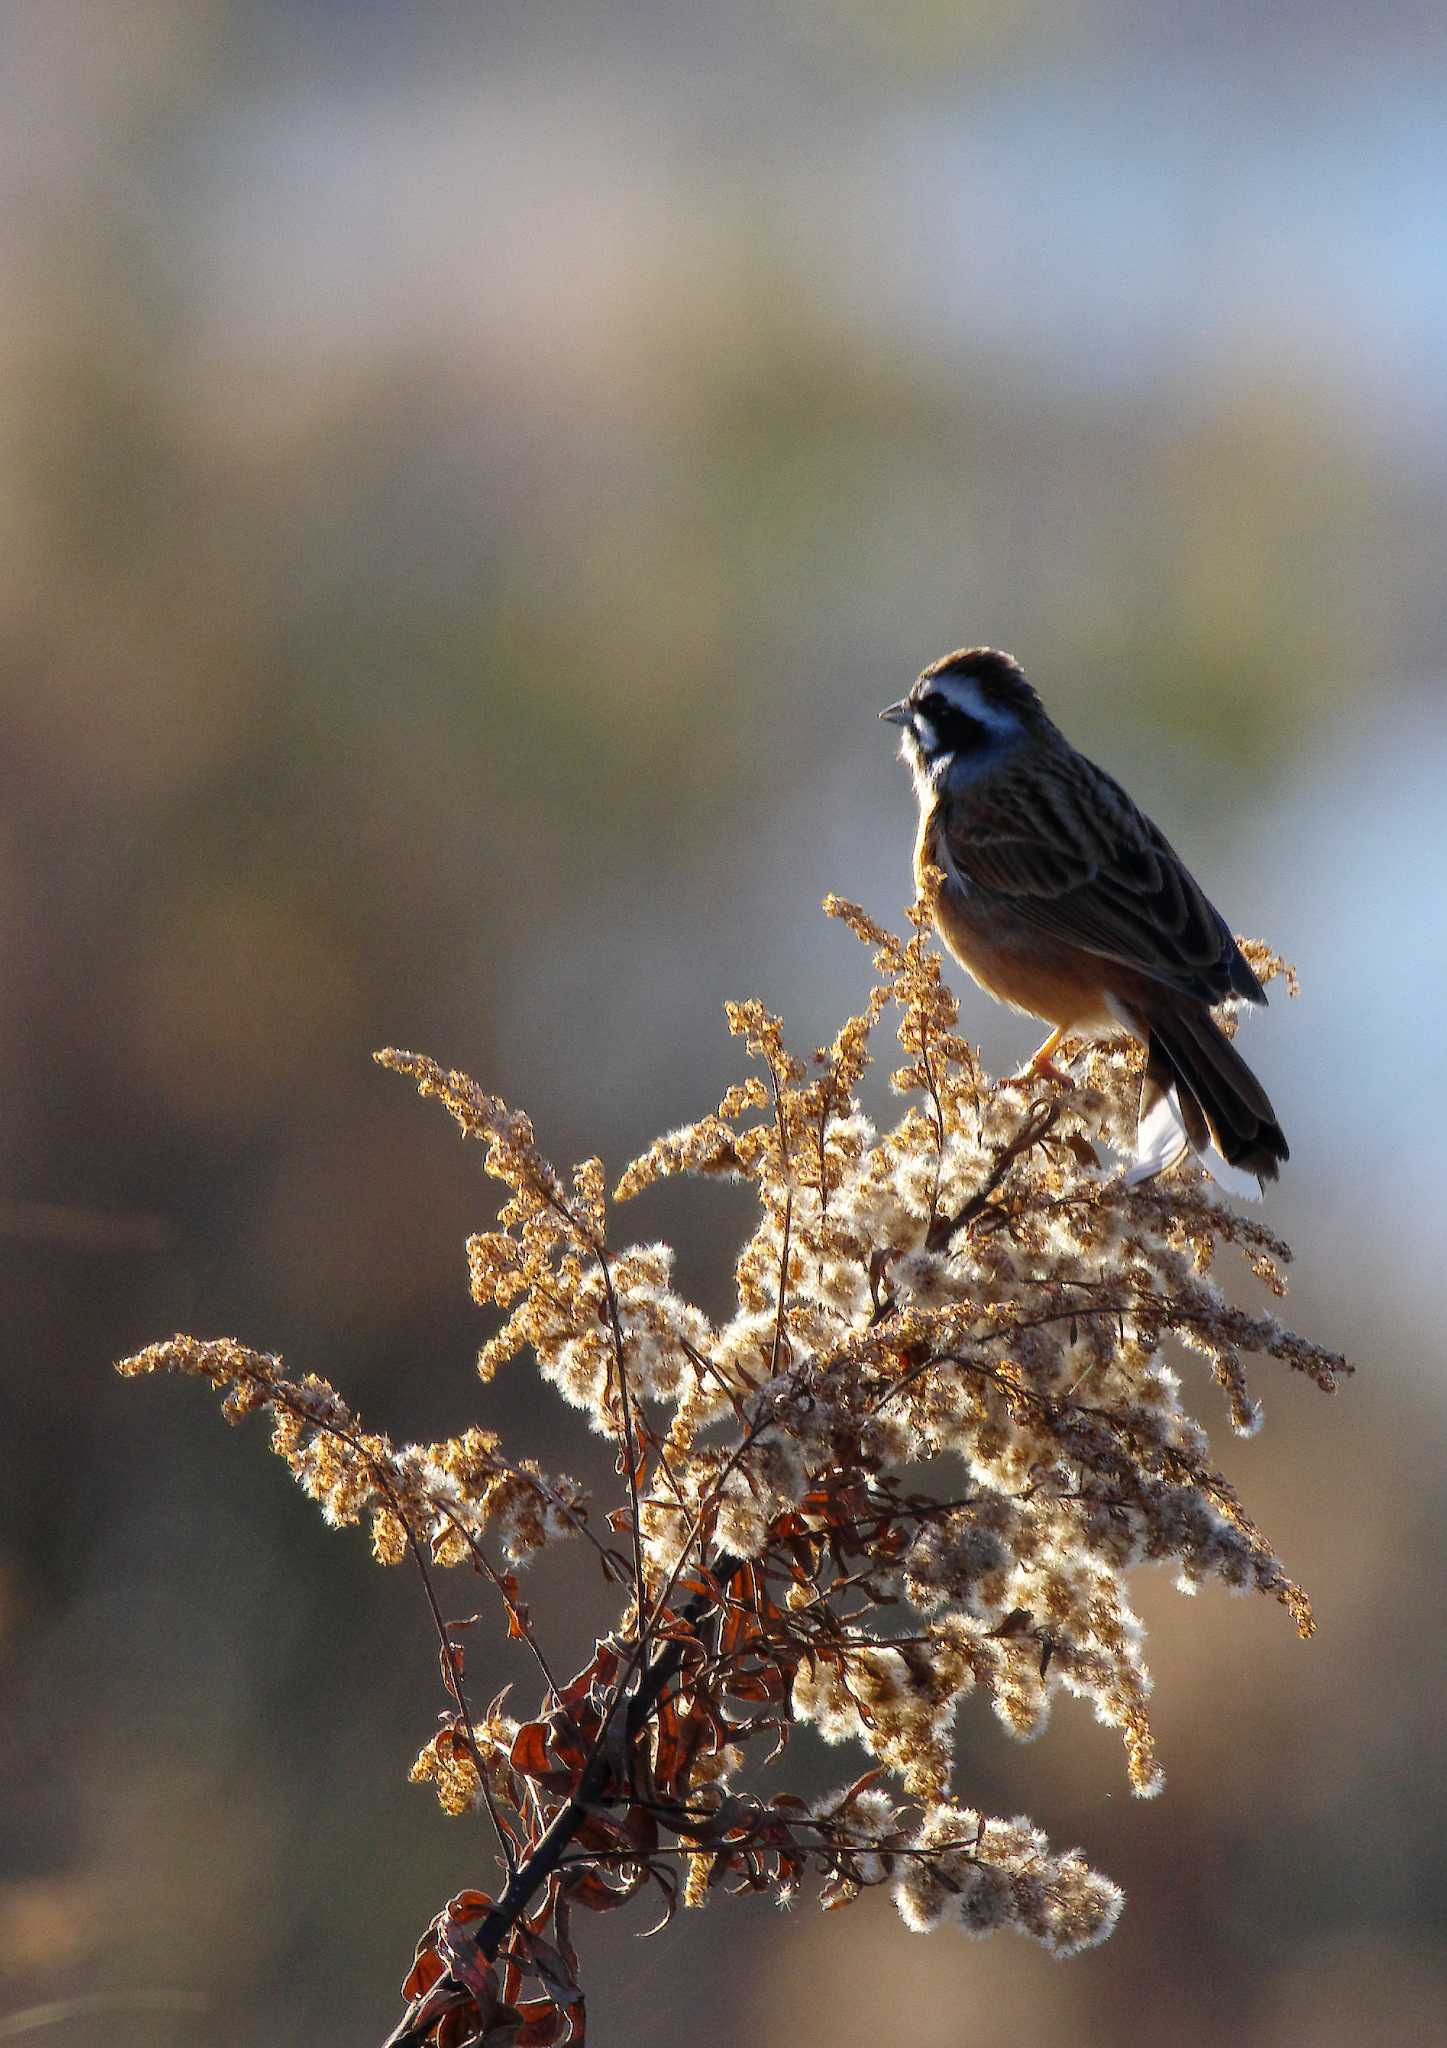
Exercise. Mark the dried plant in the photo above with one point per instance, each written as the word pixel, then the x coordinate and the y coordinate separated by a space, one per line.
pixel 917 1463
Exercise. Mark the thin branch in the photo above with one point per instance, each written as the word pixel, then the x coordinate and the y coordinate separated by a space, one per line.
pixel 598 1250
pixel 449 1652
pixel 630 1446
pixel 455 1687
pixel 939 1123
pixel 783 1285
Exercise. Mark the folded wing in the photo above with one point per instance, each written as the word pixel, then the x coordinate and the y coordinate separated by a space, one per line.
pixel 1082 864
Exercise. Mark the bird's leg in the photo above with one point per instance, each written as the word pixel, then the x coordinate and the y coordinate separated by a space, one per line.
pixel 1040 1066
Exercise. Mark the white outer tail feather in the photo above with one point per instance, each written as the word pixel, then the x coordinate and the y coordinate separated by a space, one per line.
pixel 1161 1140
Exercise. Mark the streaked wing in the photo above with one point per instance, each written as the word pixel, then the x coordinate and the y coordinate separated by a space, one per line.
pixel 1075 858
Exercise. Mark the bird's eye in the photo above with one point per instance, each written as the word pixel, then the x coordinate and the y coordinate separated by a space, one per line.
pixel 933 706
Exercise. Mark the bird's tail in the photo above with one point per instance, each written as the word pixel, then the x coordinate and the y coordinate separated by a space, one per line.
pixel 1199 1093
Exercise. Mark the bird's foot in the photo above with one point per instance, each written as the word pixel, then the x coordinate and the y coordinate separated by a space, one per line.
pixel 1040 1066
pixel 1045 1070
pixel 1037 1070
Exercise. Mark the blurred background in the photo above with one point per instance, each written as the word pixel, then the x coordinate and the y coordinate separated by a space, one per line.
pixel 470 477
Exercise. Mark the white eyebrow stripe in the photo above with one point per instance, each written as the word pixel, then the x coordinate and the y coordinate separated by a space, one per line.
pixel 965 694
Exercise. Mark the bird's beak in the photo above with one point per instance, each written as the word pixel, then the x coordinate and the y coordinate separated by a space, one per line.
pixel 896 714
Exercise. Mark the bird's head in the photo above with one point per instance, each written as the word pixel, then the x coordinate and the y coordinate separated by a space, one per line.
pixel 964 714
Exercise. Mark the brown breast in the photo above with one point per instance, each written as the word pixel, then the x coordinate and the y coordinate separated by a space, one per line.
pixel 1012 961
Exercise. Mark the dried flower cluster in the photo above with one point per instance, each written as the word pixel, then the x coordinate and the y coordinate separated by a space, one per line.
pixel 916 1464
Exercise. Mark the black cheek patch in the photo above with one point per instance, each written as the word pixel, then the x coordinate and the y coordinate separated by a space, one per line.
pixel 965 735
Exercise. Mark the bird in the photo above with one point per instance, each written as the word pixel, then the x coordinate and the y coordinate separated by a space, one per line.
pixel 1063 900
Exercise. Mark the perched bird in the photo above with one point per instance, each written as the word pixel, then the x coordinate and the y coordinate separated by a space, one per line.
pixel 1062 899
